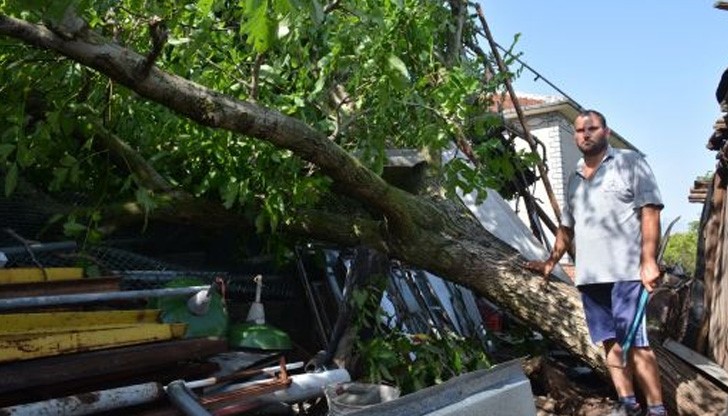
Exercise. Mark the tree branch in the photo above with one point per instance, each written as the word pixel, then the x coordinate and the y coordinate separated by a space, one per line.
pixel 459 10
pixel 342 229
pixel 158 32
pixel 210 108
pixel 130 160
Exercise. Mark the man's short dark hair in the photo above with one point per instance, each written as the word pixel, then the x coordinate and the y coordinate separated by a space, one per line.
pixel 600 116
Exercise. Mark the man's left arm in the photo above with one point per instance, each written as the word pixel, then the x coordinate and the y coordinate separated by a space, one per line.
pixel 649 269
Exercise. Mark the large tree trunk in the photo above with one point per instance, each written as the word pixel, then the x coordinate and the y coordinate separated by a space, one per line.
pixel 713 337
pixel 439 236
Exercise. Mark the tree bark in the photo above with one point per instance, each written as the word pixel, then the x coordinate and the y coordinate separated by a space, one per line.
pixel 439 236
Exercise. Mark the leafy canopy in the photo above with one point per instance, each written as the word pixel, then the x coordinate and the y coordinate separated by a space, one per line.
pixel 370 74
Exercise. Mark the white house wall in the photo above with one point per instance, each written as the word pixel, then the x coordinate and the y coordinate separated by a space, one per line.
pixel 555 131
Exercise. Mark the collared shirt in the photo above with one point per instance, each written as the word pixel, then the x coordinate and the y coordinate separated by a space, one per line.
pixel 604 212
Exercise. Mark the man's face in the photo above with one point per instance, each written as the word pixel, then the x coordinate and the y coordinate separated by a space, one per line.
pixel 590 135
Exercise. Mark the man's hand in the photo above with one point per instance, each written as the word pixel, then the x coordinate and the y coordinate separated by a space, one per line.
pixel 544 268
pixel 650 275
pixel 564 235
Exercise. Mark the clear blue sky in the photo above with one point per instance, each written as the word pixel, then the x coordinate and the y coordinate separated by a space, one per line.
pixel 650 66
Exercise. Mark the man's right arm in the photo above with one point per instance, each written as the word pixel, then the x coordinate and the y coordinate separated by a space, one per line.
pixel 564 237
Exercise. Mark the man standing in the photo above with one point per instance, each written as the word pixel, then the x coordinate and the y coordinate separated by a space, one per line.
pixel 612 214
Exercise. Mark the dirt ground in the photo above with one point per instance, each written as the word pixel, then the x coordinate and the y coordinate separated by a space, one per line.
pixel 563 388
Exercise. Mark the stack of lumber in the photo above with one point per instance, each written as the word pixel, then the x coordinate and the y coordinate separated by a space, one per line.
pixel 52 351
pixel 699 191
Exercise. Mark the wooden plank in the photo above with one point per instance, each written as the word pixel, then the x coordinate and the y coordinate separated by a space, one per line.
pixel 686 391
pixel 33 274
pixel 92 365
pixel 700 362
pixel 65 321
pixel 60 287
pixel 24 347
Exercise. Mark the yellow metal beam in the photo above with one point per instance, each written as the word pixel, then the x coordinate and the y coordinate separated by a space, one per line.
pixel 26 346
pixel 32 274
pixel 38 322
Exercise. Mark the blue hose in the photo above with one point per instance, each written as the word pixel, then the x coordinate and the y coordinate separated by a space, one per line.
pixel 638 316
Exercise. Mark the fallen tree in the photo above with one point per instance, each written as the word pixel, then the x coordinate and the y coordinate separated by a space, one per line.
pixel 430 232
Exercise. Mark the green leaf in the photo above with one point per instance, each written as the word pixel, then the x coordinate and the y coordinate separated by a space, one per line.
pixel 74 229
pixel 11 180
pixel 5 150
pixel 144 198
pixel 230 194
pixel 318 12
pixel 178 41
pixel 205 6
pixel 259 27
pixel 68 160
pixel 396 64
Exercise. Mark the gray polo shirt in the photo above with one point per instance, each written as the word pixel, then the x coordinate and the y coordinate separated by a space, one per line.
pixel 604 213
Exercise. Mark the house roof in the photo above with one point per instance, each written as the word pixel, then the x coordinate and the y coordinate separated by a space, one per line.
pixel 534 105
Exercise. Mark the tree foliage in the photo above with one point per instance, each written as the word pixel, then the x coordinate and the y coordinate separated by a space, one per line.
pixel 369 75
pixel 682 249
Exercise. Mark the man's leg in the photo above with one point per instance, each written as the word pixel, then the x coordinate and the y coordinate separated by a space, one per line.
pixel 647 373
pixel 620 373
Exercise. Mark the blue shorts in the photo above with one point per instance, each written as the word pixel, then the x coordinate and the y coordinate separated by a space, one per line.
pixel 610 309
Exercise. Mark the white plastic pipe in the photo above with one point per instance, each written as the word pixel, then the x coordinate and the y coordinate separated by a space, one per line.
pixel 308 386
pixel 303 386
pixel 257 311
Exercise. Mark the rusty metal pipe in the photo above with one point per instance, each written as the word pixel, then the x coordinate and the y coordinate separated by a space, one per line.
pixel 90 403
pixel 54 300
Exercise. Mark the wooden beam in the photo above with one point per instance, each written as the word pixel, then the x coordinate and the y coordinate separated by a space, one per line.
pixel 17 376
pixel 722 5
pixel 26 346
pixel 32 274
pixel 66 321
pixel 686 391
pixel 700 362
pixel 60 287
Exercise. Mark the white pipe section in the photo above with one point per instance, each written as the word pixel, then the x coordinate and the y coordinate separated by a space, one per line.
pixel 90 403
pixel 307 386
pixel 52 300
pixel 303 386
pixel 257 311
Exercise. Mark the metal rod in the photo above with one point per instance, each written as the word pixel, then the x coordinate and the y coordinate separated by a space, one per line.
pixel 527 134
pixel 184 400
pixel 54 300
pixel 39 247
pixel 309 295
pixel 206 382
pixel 538 75
pixel 91 403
